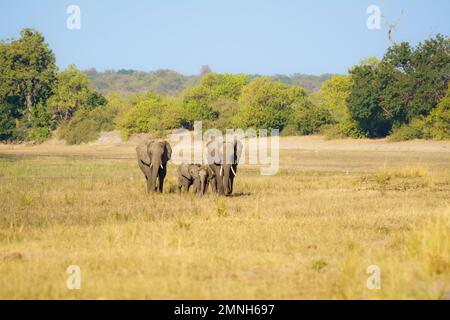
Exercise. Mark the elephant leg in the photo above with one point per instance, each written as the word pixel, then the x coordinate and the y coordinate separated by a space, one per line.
pixel 220 187
pixel 145 170
pixel 161 177
pixel 180 184
pixel 186 185
pixel 206 186
pixel 230 184
pixel 161 185
pixel 214 185
pixel 148 184
pixel 147 179
pixel 218 178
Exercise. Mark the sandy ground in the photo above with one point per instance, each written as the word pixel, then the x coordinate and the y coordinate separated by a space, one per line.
pixel 319 143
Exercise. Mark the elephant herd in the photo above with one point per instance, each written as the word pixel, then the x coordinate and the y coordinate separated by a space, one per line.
pixel 219 171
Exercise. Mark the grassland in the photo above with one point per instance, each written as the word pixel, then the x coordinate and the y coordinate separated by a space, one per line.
pixel 311 231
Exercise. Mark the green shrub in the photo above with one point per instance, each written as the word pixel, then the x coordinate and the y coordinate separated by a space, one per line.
pixel 406 132
pixel 85 126
pixel 290 130
pixel 151 115
pixel 206 100
pixel 308 119
pixel 437 124
pixel 79 130
pixel 264 104
pixel 39 135
pixel 331 131
pixel 349 128
pixel 103 116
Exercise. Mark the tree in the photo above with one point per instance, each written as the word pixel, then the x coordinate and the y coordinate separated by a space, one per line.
pixel 264 104
pixel 333 96
pixel 406 84
pixel 307 118
pixel 152 114
pixel 27 71
pixel 201 101
pixel 72 92
pixel 365 102
pixel 7 121
pixel 429 76
pixel 437 124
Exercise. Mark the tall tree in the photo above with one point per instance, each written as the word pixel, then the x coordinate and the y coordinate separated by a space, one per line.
pixel 72 91
pixel 27 71
pixel 407 83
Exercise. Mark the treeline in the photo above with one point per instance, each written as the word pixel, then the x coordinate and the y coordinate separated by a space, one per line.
pixel 405 95
pixel 171 83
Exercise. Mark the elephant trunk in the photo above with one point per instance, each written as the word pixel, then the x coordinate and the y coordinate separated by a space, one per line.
pixel 154 167
pixel 203 185
pixel 226 179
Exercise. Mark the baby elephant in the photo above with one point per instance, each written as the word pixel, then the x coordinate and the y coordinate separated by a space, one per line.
pixel 194 174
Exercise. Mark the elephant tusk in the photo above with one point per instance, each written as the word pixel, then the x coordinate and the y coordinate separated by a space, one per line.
pixel 151 164
pixel 221 171
pixel 161 166
pixel 234 172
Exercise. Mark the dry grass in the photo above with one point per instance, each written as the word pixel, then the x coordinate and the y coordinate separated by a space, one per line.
pixel 309 232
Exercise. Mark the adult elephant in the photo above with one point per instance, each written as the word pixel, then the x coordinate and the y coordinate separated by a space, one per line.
pixel 152 156
pixel 223 158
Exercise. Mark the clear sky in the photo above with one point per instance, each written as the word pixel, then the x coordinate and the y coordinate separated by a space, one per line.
pixel 238 36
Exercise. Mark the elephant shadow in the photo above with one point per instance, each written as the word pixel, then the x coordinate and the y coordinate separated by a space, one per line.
pixel 239 194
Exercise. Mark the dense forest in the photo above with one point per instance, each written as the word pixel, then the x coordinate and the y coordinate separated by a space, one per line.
pixel 405 95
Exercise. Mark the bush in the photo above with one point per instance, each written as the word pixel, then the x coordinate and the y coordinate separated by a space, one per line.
pixel 349 128
pixel 264 104
pixel 406 132
pixel 206 100
pixel 308 119
pixel 85 131
pixel 290 130
pixel 331 131
pixel 437 124
pixel 151 115
pixel 85 126
pixel 39 135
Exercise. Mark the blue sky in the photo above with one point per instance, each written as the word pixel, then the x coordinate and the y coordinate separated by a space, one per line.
pixel 246 36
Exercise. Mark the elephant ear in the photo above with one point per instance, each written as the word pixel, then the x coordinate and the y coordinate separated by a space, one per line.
pixel 214 154
pixel 168 150
pixel 184 171
pixel 142 152
pixel 238 153
pixel 193 171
